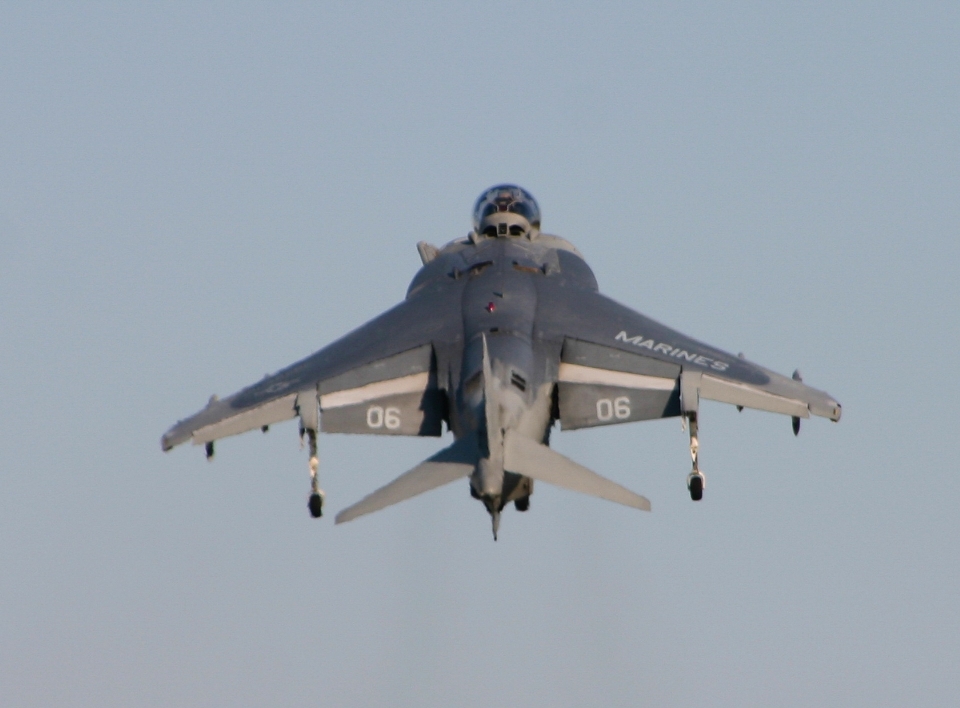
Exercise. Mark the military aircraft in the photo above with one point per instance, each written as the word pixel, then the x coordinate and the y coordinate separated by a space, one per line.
pixel 502 334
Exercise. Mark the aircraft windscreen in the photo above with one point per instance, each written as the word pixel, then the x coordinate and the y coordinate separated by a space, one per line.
pixel 506 198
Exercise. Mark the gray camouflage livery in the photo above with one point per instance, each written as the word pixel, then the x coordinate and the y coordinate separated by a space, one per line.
pixel 501 335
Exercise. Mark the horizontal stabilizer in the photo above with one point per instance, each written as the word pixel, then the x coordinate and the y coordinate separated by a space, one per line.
pixel 448 465
pixel 531 459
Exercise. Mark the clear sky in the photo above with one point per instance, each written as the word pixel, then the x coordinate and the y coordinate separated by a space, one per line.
pixel 191 197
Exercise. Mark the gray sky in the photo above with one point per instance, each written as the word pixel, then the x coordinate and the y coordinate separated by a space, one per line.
pixel 193 197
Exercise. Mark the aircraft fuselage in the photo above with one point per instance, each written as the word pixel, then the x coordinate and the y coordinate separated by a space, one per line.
pixel 499 307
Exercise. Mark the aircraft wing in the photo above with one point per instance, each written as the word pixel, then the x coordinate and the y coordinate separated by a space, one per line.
pixel 380 378
pixel 618 366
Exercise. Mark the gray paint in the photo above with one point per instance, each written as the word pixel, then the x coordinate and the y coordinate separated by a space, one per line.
pixel 412 361
pixel 419 414
pixel 587 354
pixel 578 404
pixel 491 319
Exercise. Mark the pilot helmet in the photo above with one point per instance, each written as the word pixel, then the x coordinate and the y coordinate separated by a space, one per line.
pixel 506 210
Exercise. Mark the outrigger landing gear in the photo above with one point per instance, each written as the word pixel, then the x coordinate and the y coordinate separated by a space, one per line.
pixel 316 506
pixel 316 494
pixel 695 484
pixel 695 480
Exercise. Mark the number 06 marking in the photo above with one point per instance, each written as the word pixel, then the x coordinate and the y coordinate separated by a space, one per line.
pixel 619 407
pixel 377 417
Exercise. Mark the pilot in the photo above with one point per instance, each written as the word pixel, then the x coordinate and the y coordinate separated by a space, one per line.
pixel 506 210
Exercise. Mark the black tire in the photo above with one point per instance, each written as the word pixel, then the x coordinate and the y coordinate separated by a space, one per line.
pixel 316 506
pixel 522 504
pixel 696 487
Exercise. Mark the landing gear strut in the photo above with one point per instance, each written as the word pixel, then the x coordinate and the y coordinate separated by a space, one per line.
pixel 316 494
pixel 695 480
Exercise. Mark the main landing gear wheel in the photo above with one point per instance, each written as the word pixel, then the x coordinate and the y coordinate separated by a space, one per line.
pixel 522 504
pixel 695 485
pixel 316 506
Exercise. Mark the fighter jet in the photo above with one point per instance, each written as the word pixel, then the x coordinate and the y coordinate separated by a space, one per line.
pixel 502 335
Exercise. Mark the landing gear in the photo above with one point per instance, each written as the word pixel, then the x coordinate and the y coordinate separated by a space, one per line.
pixel 521 504
pixel 316 494
pixel 316 506
pixel 695 484
pixel 695 480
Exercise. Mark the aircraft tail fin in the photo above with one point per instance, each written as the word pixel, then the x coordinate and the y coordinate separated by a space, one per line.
pixel 450 464
pixel 531 459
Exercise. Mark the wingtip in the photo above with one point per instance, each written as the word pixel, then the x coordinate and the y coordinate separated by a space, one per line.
pixel 173 437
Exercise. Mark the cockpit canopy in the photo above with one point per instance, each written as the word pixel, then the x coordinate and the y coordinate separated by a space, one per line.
pixel 506 210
